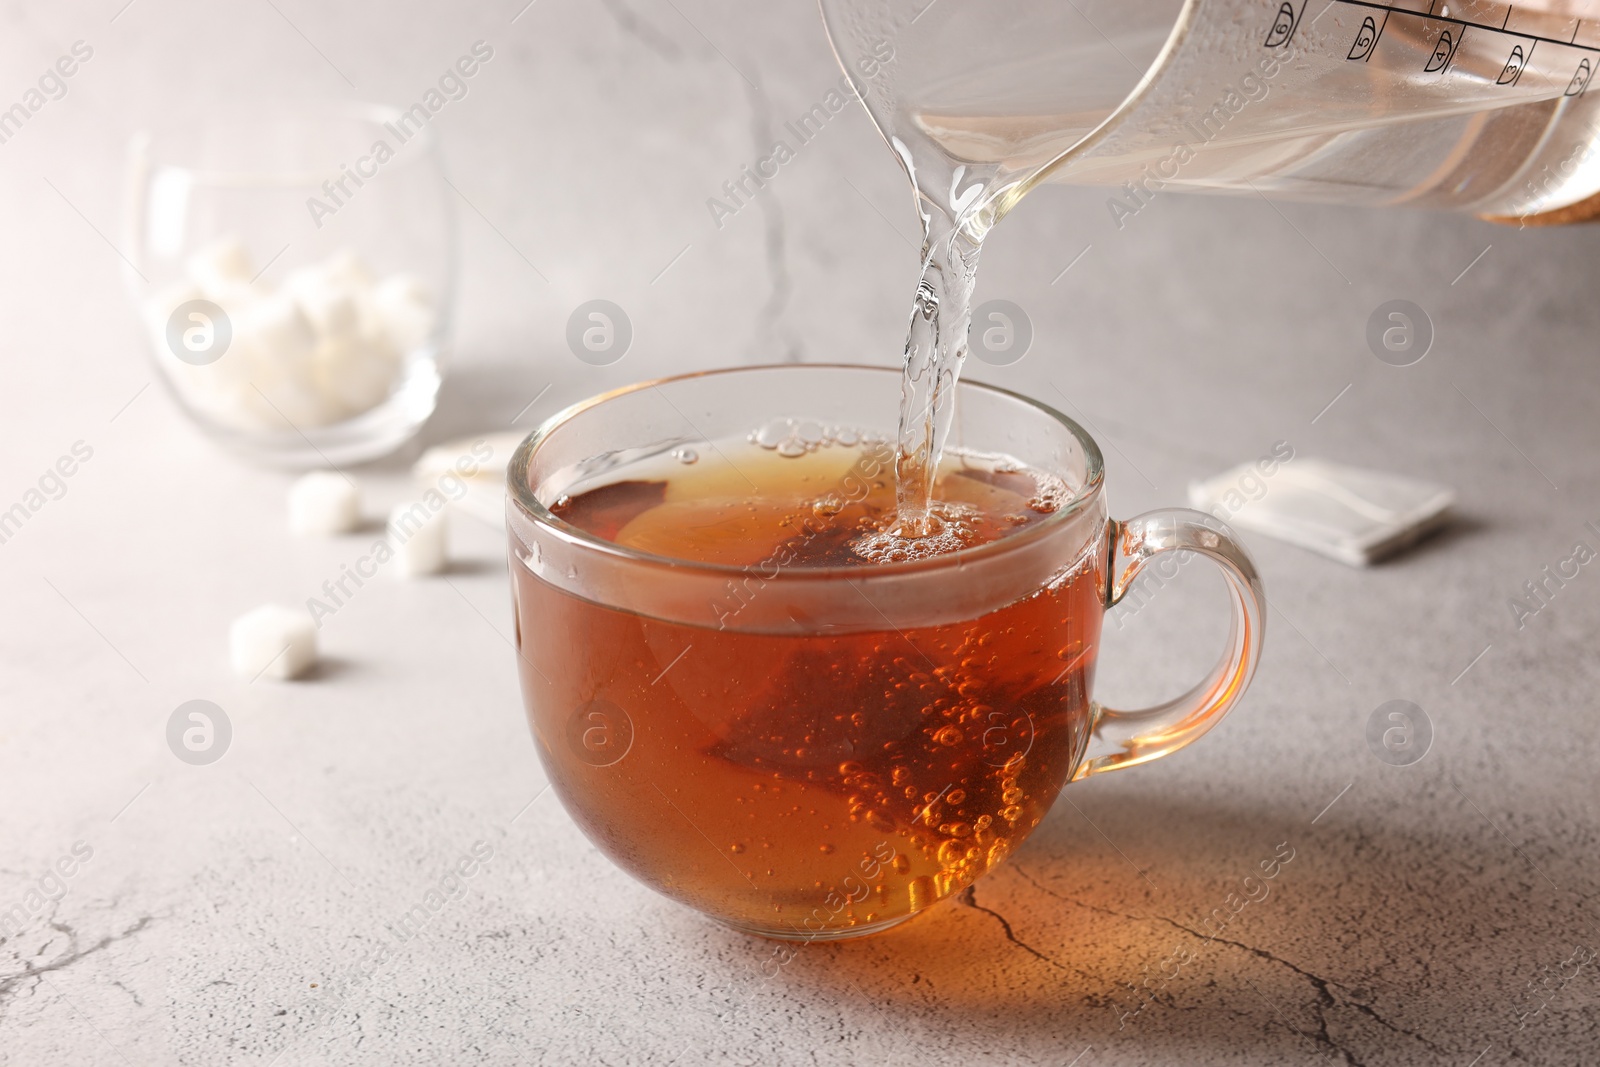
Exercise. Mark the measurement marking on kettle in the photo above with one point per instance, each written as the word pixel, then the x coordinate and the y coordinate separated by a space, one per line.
pixel 1284 25
pixel 1468 24
pixel 1367 37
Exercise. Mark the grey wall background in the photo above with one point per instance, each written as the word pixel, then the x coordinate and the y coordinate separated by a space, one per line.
pixel 587 148
pixel 1422 907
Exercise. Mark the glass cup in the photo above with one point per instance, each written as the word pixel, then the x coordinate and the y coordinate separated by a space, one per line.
pixel 294 267
pixel 823 752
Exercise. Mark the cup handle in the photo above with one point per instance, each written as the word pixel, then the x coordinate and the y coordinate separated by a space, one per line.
pixel 1141 736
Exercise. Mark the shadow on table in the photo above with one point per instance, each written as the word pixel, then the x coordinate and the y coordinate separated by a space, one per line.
pixel 477 399
pixel 1375 943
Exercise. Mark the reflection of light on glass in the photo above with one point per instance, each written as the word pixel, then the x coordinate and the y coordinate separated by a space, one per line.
pixel 169 203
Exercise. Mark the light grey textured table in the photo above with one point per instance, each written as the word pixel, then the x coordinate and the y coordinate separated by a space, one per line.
pixel 1428 912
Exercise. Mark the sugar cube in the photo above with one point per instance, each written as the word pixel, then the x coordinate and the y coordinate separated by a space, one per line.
pixel 277 326
pixel 357 373
pixel 221 267
pixel 272 641
pixel 418 536
pixel 328 344
pixel 406 310
pixel 323 503
pixel 330 293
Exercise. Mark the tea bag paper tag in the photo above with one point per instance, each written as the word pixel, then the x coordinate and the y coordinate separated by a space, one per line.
pixel 1352 515
pixel 471 473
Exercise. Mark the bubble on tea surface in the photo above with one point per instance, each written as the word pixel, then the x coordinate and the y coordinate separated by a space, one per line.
pixel 685 455
pixel 795 437
pixel 828 506
pixel 1050 494
pixel 955 526
pixel 770 435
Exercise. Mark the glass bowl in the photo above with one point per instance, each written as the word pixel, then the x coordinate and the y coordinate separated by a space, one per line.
pixel 293 265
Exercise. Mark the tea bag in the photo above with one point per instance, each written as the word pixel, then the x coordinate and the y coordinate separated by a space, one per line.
pixel 1349 514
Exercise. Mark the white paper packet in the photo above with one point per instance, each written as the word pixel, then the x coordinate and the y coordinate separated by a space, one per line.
pixel 1352 515
pixel 485 496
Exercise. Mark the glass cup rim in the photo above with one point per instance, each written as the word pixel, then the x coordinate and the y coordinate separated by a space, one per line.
pixel 519 493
